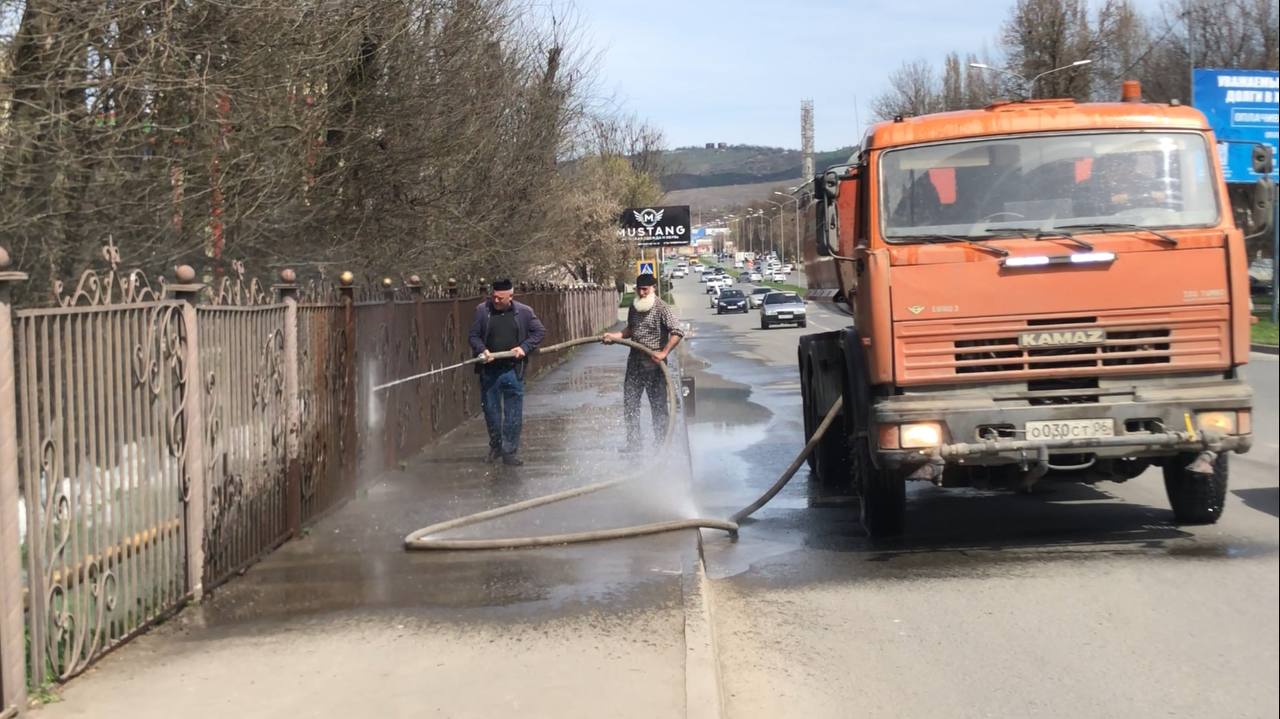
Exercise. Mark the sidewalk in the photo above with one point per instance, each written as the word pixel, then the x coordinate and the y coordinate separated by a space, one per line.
pixel 344 622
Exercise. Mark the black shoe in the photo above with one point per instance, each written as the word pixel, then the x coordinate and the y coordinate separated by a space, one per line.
pixel 494 455
pixel 512 461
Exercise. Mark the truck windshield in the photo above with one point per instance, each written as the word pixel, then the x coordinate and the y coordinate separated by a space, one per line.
pixel 976 188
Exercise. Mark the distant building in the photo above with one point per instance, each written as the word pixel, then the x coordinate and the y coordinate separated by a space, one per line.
pixel 722 145
pixel 710 146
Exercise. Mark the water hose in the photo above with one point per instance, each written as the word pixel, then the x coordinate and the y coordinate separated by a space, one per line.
pixel 422 539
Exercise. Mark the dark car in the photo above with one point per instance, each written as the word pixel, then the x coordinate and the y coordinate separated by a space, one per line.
pixel 731 300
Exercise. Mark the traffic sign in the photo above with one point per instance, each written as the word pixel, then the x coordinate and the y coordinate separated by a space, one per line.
pixel 647 267
pixel 1242 107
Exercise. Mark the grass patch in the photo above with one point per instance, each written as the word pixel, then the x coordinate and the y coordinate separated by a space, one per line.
pixel 779 286
pixel 1265 333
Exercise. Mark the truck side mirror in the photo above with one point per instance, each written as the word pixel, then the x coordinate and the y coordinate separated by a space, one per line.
pixel 1261 208
pixel 827 188
pixel 1263 164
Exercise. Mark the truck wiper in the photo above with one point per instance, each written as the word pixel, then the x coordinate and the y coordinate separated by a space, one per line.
pixel 938 239
pixel 1039 234
pixel 1118 226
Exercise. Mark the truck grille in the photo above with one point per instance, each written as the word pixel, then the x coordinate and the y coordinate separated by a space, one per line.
pixel 985 348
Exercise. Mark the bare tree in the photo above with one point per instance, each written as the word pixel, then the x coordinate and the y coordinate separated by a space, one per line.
pixel 914 89
pixel 423 134
pixel 1043 35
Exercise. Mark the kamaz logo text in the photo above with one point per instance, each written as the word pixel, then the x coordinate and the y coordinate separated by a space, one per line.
pixel 1062 338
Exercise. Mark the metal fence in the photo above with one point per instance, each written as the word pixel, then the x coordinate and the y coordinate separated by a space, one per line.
pixel 156 440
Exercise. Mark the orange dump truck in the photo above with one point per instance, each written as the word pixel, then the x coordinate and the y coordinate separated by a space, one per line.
pixel 1039 288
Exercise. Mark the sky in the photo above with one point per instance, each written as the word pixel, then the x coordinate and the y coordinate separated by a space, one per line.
pixel 735 71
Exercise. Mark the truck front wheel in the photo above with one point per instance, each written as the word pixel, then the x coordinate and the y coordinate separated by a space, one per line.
pixel 883 493
pixel 1196 498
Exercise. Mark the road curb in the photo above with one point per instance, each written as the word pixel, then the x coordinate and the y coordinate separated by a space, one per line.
pixel 703 698
pixel 1265 349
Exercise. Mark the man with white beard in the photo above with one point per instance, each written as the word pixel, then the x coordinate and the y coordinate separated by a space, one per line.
pixel 653 324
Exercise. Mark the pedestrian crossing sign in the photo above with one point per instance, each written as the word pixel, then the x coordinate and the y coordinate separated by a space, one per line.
pixel 647 267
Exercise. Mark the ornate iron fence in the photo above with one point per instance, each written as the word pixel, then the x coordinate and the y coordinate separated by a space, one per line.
pixel 154 440
pixel 101 425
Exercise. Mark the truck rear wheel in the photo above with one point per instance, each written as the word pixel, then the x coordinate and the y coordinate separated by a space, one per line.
pixel 1196 498
pixel 820 385
pixel 883 493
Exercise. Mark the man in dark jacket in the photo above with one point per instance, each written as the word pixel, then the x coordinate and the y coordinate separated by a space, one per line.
pixel 502 324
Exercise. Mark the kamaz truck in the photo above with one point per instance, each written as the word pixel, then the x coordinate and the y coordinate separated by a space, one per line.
pixel 1038 289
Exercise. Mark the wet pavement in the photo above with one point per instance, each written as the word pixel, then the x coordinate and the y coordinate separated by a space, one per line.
pixel 345 622
pixel 1073 601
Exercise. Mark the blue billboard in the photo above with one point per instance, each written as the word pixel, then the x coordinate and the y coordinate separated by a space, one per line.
pixel 1243 107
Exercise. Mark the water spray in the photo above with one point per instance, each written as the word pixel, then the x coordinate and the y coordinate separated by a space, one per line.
pixel 422 539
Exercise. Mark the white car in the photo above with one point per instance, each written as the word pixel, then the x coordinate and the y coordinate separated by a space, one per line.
pixel 699 269
pixel 777 276
pixel 754 276
pixel 787 269
pixel 727 280
pixel 714 284
pixel 739 265
pixel 679 273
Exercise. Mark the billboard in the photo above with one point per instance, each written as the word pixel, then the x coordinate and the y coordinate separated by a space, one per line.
pixel 656 226
pixel 1243 107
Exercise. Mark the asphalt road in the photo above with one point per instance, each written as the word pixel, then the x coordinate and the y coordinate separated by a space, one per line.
pixel 1075 601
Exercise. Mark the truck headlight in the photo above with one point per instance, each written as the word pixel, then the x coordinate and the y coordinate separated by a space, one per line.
pixel 1223 422
pixel 918 435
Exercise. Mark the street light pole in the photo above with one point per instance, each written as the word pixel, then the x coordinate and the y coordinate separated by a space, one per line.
pixel 782 241
pixel 797 222
pixel 1031 84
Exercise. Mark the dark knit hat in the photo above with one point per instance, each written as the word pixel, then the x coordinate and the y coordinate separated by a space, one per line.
pixel 646 280
pixel 501 285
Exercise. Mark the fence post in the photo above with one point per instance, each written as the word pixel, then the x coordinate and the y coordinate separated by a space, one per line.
pixel 287 292
pixel 186 290
pixel 13 653
pixel 348 293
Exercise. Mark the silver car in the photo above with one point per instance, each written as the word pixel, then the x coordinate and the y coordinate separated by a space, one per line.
pixel 757 296
pixel 782 308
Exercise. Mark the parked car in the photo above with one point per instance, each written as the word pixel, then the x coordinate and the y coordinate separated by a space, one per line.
pixel 777 277
pixel 731 300
pixel 754 276
pixel 756 298
pixel 787 269
pixel 1261 272
pixel 782 308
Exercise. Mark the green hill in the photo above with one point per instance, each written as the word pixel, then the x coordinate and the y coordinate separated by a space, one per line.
pixel 692 167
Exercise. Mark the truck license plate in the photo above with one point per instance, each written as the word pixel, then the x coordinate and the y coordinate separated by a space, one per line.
pixel 1071 429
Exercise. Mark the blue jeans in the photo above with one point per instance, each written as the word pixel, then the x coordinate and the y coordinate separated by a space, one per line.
pixel 502 398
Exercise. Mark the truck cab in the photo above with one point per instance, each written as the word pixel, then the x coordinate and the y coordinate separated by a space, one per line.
pixel 1039 288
